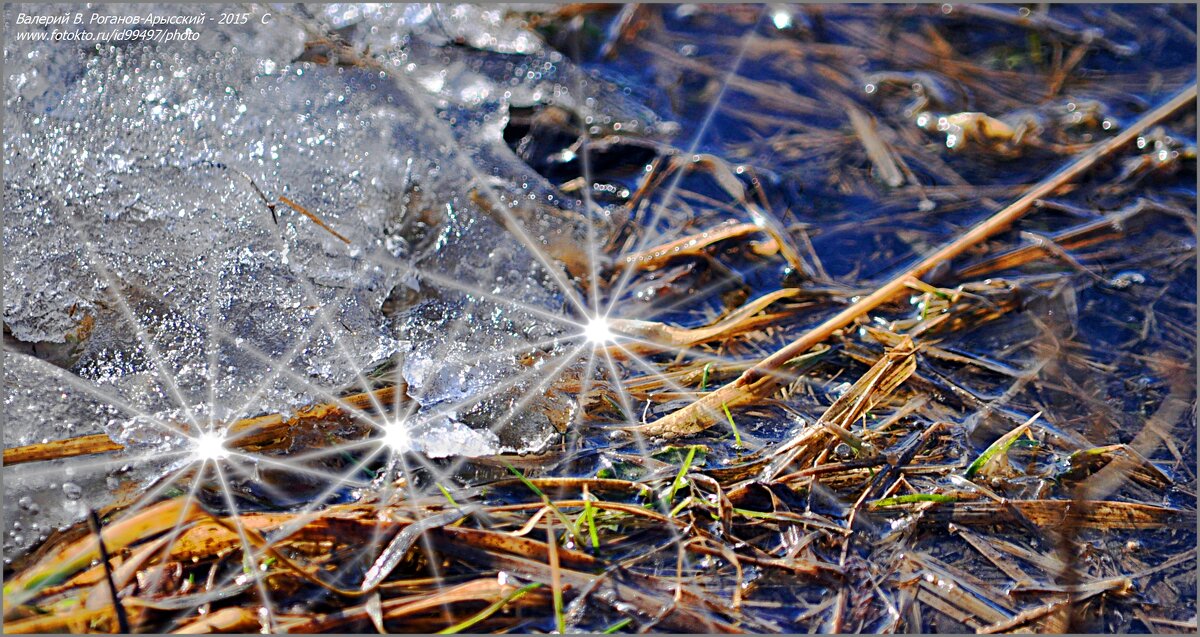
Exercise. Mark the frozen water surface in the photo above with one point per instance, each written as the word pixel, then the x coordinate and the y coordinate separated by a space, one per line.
pixel 143 260
pixel 45 403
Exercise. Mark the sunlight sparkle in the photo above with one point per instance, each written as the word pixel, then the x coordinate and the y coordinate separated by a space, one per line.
pixel 598 331
pixel 210 446
pixel 395 436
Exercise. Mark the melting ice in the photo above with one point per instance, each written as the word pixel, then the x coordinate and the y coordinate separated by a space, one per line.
pixel 145 260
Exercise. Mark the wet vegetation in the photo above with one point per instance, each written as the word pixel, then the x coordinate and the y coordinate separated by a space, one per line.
pixel 900 338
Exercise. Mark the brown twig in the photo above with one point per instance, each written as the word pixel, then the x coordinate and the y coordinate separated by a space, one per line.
pixel 756 382
pixel 304 211
pixel 81 446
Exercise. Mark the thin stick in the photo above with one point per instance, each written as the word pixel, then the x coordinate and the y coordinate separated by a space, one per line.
pixel 69 448
pixel 756 382
pixel 122 619
pixel 302 210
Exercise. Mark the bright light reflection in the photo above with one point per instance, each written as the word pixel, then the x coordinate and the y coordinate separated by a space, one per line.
pixel 395 436
pixel 210 446
pixel 598 331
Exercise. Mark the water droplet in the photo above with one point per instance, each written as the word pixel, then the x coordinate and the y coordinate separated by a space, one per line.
pixel 27 504
pixel 72 491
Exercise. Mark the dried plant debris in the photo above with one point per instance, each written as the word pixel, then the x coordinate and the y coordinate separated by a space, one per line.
pixel 591 318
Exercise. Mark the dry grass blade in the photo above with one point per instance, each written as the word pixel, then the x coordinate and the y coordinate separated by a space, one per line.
pixel 669 336
pixel 983 545
pixel 756 383
pixel 70 559
pixel 1023 618
pixel 1051 513
pixel 58 623
pixel 481 590
pixel 694 245
pixel 1039 20
pixel 490 610
pixel 100 596
pixel 529 559
pixel 1122 458
pixel 876 385
pixel 877 150
pixel 398 547
pixel 726 177
pixel 893 368
pixel 225 620
pixel 959 590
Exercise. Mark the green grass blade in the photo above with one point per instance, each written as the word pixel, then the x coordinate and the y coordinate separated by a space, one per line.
pixel 913 498
pixel 562 517
pixel 589 514
pixel 615 406
pixel 1000 446
pixel 560 620
pixel 617 626
pixel 447 494
pixel 489 611
pixel 683 469
pixel 737 437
